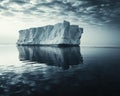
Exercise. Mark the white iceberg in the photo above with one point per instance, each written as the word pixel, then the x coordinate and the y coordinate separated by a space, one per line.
pixel 58 34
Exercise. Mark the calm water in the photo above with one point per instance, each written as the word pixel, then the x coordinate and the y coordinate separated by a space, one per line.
pixel 52 71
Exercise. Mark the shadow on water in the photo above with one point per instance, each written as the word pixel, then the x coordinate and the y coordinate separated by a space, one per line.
pixel 55 56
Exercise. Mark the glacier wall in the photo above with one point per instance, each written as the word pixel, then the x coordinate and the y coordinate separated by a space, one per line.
pixel 58 34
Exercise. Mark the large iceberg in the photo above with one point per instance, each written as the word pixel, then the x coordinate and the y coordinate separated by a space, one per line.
pixel 58 34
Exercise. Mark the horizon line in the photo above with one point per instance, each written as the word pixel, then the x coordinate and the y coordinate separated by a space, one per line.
pixel 92 46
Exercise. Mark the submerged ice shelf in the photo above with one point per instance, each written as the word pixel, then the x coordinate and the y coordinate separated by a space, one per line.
pixel 58 34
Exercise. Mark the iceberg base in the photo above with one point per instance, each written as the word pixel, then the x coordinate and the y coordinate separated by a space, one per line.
pixel 56 45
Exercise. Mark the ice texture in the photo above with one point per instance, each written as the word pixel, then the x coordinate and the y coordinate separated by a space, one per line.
pixel 58 34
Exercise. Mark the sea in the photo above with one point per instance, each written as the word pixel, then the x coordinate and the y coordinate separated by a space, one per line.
pixel 59 71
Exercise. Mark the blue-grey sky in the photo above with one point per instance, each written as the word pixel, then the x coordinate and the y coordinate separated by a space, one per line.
pixel 99 18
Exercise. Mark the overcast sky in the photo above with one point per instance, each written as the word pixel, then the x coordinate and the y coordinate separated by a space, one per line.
pixel 99 18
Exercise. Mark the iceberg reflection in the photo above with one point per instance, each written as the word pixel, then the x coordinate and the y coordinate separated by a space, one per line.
pixel 55 56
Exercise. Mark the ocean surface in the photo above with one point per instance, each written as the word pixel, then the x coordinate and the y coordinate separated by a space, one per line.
pixel 64 71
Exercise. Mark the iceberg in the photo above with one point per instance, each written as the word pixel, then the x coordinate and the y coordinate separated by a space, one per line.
pixel 58 34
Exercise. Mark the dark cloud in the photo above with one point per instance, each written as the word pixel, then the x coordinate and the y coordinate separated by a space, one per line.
pixel 1 0
pixel 19 1
pixel 92 11
pixel 3 8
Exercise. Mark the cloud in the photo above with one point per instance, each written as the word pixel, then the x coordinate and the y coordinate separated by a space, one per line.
pixel 18 1
pixel 95 11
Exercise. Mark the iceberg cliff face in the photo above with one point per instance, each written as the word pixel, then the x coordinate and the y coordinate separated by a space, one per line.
pixel 60 33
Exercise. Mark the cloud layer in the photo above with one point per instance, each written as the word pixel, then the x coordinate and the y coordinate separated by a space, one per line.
pixel 90 11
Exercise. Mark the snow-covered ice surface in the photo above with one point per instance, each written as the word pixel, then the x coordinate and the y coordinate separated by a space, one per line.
pixel 58 34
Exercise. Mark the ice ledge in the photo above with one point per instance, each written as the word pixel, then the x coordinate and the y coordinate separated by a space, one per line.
pixel 60 34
